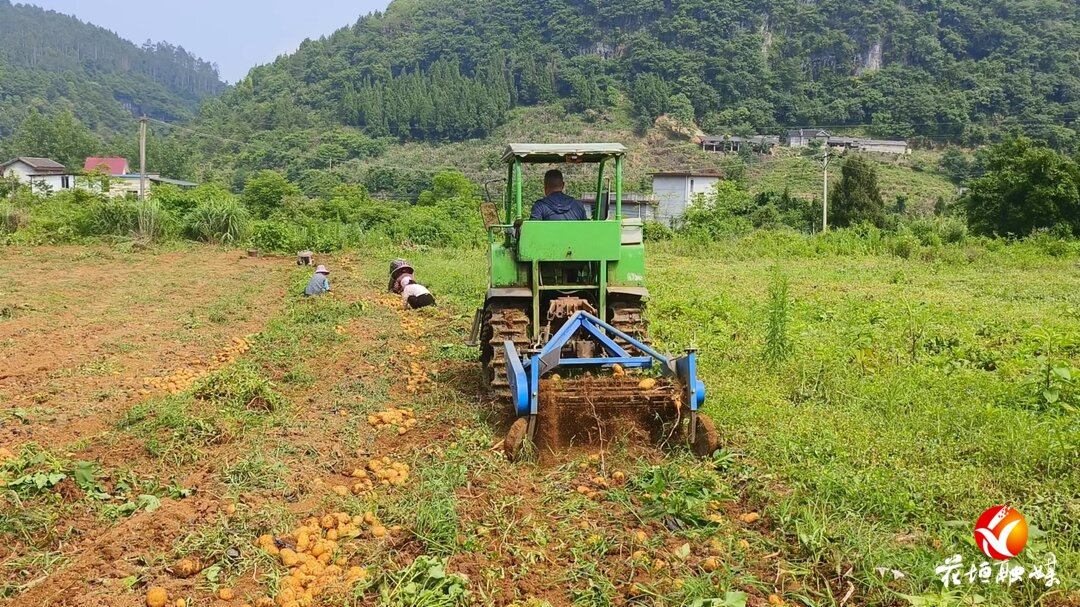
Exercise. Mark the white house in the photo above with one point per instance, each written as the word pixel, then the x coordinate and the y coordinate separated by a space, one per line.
pixel 675 191
pixel 801 138
pixel 44 176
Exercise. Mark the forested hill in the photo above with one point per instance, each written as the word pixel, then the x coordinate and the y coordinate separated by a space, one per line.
pixel 52 63
pixel 958 70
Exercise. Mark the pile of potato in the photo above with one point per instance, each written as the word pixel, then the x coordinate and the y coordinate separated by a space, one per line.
pixel 183 378
pixel 418 379
pixel 389 472
pixel 311 555
pixel 363 484
pixel 401 419
pixel 412 325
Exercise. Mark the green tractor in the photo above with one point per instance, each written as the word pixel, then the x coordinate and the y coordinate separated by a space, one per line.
pixel 562 334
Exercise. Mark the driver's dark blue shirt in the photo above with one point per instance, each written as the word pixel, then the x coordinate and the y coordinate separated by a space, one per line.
pixel 558 207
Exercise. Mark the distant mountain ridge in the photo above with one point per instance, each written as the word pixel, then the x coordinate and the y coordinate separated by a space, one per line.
pixel 50 61
pixel 942 70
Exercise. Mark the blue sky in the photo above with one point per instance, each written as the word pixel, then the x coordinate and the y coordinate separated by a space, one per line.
pixel 235 34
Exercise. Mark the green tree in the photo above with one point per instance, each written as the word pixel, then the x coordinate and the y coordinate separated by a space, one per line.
pixel 264 192
pixel 857 198
pixel 680 108
pixel 725 210
pixel 650 95
pixel 1026 187
pixel 59 136
pixel 447 185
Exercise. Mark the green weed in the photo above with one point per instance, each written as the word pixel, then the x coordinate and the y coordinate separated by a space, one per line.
pixel 424 583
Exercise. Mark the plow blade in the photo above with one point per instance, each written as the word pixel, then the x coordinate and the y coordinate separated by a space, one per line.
pixel 597 413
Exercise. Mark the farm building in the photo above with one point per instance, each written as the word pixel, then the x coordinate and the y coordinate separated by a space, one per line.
pixel 801 138
pixel 113 166
pixel 879 146
pixel 759 144
pixel 675 191
pixel 121 181
pixel 634 206
pixel 883 146
pixel 42 175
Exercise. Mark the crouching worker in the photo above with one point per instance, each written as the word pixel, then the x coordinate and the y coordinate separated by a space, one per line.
pixel 402 282
pixel 319 283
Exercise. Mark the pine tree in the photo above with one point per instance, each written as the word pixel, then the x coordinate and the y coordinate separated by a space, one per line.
pixel 857 198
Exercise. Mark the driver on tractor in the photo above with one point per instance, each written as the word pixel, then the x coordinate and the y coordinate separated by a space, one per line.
pixel 555 205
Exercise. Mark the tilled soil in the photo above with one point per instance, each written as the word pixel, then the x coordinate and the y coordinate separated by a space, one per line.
pixel 569 529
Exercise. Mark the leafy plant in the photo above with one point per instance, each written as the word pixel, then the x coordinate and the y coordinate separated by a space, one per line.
pixel 218 221
pixel 778 317
pixel 424 583
pixel 681 494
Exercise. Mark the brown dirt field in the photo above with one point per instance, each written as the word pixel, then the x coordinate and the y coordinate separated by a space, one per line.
pixel 87 324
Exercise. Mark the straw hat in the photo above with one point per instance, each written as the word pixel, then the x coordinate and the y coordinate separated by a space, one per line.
pixel 321 270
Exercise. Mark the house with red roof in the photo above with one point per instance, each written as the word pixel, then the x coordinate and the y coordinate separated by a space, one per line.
pixel 114 166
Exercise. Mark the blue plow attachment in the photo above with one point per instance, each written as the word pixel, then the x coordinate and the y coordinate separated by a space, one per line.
pixel 524 374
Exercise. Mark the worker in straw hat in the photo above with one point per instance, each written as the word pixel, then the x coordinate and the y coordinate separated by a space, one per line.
pixel 319 283
pixel 413 294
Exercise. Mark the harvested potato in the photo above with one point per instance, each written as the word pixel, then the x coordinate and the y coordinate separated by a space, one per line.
pixel 157 597
pixel 188 567
pixel 226 594
pixel 711 564
pixel 647 384
pixel 750 518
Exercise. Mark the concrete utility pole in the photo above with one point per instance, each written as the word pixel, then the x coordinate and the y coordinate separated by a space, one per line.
pixel 825 197
pixel 142 158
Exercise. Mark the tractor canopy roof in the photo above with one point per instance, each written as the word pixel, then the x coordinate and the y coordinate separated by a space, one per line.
pixel 550 153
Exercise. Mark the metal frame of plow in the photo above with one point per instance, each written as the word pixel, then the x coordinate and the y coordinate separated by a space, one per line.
pixel 524 374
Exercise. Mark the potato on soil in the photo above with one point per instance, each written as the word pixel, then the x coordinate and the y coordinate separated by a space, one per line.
pixel 647 384
pixel 226 594
pixel 711 564
pixel 186 568
pixel 750 518
pixel 157 597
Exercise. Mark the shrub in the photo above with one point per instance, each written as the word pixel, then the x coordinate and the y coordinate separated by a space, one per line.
pixel 218 221
pixel 152 219
pixel 12 219
pixel 111 217
pixel 654 231
pixel 904 245
pixel 274 236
